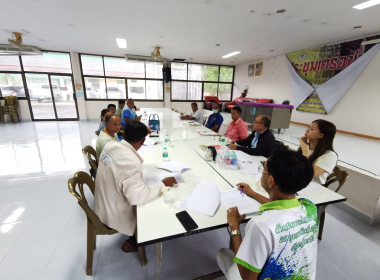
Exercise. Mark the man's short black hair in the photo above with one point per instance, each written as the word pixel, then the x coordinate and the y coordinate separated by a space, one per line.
pixel 291 171
pixel 111 106
pixel 194 104
pixel 121 101
pixel 134 131
pixel 104 112
pixel 237 109
pixel 266 121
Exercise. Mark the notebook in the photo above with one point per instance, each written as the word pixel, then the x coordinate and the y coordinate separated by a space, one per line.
pixel 245 204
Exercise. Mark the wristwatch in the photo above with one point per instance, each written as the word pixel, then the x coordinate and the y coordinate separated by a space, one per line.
pixel 235 232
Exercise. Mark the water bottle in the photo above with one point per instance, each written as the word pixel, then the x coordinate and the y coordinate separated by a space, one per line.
pixel 227 160
pixel 223 139
pixel 234 161
pixel 167 139
pixel 144 118
pixel 165 154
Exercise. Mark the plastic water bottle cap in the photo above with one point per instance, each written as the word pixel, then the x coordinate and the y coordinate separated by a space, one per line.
pixel 165 148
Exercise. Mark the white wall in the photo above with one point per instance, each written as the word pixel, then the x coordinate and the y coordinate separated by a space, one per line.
pixel 357 111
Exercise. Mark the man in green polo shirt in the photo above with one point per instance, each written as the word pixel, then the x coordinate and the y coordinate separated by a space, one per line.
pixel 281 239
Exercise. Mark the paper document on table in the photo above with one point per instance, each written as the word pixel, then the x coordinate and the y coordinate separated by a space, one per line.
pixel 205 199
pixel 248 168
pixel 311 186
pixel 245 204
pixel 153 178
pixel 173 166
pixel 243 156
pixel 207 133
pixel 150 148
pixel 149 141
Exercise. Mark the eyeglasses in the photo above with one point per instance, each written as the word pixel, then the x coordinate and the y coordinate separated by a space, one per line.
pixel 258 122
pixel 261 169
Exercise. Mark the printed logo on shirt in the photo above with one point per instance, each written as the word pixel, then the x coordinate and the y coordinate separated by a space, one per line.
pixel 107 157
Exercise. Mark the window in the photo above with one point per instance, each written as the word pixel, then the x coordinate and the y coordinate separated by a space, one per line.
pixel 10 63
pixel 108 78
pixel 11 84
pixel 179 71
pixel 192 82
pixel 47 62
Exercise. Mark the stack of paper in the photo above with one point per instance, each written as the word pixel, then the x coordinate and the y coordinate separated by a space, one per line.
pixel 245 204
pixel 204 199
pixel 248 168
pixel 207 133
pixel 149 141
pixel 173 166
pixel 243 157
pixel 149 148
pixel 153 178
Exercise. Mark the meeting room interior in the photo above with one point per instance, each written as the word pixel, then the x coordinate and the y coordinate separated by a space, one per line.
pixel 190 139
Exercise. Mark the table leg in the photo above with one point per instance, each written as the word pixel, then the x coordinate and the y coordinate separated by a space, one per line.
pixel 158 260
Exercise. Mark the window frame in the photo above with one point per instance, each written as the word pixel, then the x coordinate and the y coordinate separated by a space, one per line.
pixel 203 82
pixel 118 78
pixel 27 98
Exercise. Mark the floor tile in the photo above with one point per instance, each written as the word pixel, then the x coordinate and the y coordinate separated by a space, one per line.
pixel 9 233
pixel 8 197
pixel 325 270
pixel 18 212
pixel 56 207
pixel 70 257
pixel 3 208
pixel 111 252
pixel 43 229
pixel 27 262
pixel 3 253
pixel 128 269
pixel 16 184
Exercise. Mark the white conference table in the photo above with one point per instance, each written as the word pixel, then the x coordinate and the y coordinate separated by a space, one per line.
pixel 156 220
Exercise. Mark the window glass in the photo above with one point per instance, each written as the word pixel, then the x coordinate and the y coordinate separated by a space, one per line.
pixel 136 89
pixel 179 71
pixel 194 91
pixel 47 62
pixel 226 74
pixel 10 63
pixel 116 88
pixel 224 92
pixel 92 65
pixel 154 89
pixel 120 67
pixel 95 88
pixel 198 72
pixel 11 85
pixel 179 90
pixel 210 89
pixel 153 70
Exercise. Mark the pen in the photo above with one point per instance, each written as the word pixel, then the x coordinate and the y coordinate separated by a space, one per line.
pixel 241 188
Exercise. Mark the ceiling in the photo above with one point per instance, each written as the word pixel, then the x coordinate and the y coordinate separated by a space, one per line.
pixel 187 28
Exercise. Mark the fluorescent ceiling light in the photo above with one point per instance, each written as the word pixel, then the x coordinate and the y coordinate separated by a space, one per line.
pixel 230 54
pixel 121 43
pixel 366 4
pixel 370 42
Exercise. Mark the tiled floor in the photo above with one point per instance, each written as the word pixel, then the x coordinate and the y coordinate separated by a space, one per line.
pixel 43 230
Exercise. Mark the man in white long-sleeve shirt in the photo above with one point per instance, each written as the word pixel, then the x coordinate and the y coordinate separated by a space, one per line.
pixel 119 184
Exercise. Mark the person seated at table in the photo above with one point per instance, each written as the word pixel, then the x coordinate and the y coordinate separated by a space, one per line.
pixel 238 129
pixel 261 142
pixel 317 146
pixel 108 133
pixel 112 108
pixel 119 185
pixel 195 114
pixel 216 119
pixel 281 240
pixel 101 124
pixel 120 108
pixel 129 113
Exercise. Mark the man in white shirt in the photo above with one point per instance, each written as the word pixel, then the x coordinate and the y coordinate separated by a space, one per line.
pixel 109 133
pixel 281 239
pixel 195 114
pixel 119 184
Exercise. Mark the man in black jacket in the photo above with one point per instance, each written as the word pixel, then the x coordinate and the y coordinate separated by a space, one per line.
pixel 261 142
